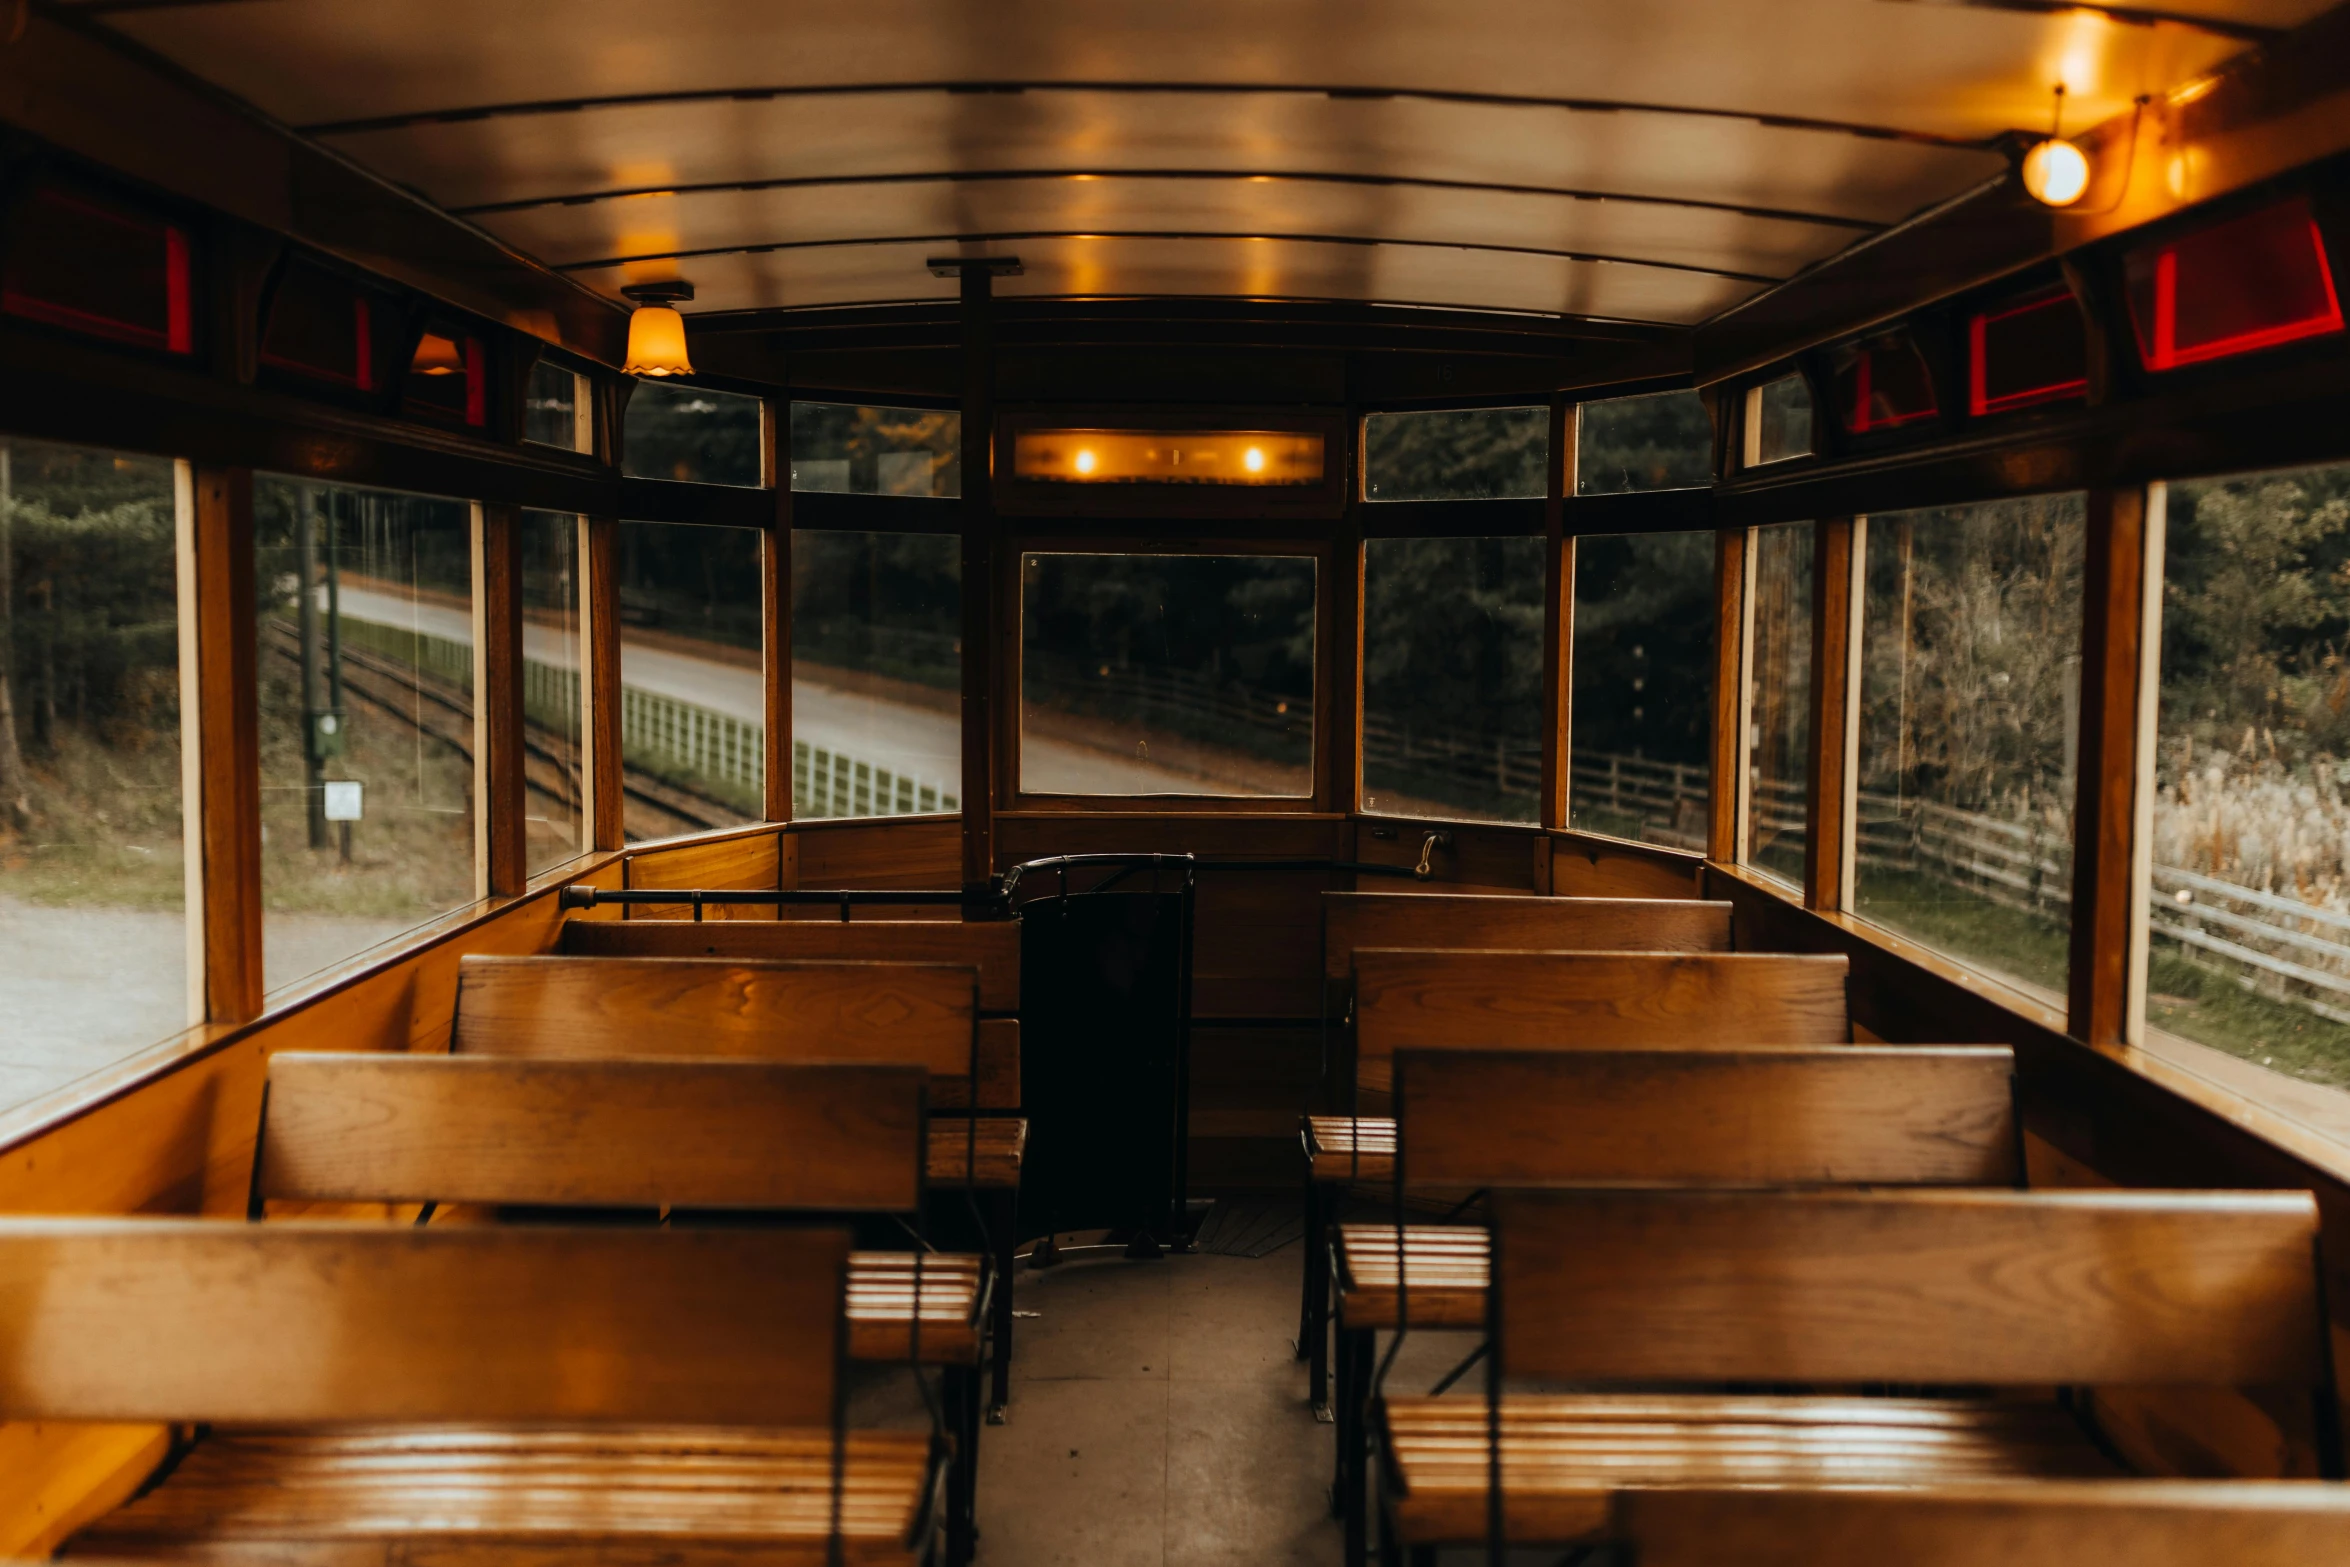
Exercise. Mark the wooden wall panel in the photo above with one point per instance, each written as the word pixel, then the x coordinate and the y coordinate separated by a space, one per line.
pixel 1502 859
pixel 922 853
pixel 749 860
pixel 1583 865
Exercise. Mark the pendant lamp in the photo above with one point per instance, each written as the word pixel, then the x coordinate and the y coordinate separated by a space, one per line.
pixel 656 332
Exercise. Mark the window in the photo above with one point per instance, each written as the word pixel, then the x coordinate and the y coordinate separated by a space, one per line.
pixel 1969 726
pixel 93 926
pixel 1779 699
pixel 448 377
pixel 876 673
pixel 1452 678
pixel 555 822
pixel 2250 903
pixel 688 432
pixel 847 450
pixel 365 601
pixel 1664 441
pixel 693 704
pixel 2252 282
pixel 1167 674
pixel 1883 385
pixel 88 263
pixel 2027 351
pixel 559 409
pixel 324 328
pixel 1778 421
pixel 1643 679
pixel 1472 454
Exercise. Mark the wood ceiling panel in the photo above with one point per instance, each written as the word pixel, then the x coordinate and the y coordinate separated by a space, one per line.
pixel 939 211
pixel 1950 70
pixel 1667 157
pixel 1250 269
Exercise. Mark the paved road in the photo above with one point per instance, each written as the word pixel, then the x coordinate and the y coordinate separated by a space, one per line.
pixel 926 743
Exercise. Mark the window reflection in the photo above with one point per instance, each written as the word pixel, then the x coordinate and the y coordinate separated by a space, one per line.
pixel 554 815
pixel 843 449
pixel 1469 454
pixel 1452 678
pixel 692 433
pixel 1643 683
pixel 1660 442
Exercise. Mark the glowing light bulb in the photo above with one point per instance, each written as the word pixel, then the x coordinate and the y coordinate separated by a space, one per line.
pixel 1085 462
pixel 2056 173
pixel 656 343
pixel 1253 460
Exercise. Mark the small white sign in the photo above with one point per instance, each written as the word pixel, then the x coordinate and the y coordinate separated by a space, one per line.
pixel 344 799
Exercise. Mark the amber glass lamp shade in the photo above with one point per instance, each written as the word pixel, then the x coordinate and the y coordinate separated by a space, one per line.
pixel 437 355
pixel 656 342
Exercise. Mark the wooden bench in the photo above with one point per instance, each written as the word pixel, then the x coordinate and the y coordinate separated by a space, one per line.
pixel 992 947
pixel 2123 1523
pixel 603 1394
pixel 923 1013
pixel 1435 998
pixel 708 1136
pixel 1767 1116
pixel 1836 1290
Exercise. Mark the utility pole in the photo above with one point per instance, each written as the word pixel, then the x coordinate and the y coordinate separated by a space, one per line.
pixel 15 808
pixel 306 626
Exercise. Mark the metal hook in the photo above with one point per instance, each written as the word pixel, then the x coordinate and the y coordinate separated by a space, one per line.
pixel 1428 846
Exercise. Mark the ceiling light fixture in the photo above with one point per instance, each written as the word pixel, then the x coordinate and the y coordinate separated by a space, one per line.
pixel 656 332
pixel 2055 171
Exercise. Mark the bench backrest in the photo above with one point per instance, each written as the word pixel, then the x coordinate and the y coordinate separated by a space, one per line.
pixel 1413 997
pixel 1978 1287
pixel 990 946
pixel 305 1324
pixel 1779 1115
pixel 1408 919
pixel 373 1127
pixel 922 1013
pixel 2106 1523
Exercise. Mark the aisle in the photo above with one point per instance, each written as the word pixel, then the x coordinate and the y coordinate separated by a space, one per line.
pixel 1157 1418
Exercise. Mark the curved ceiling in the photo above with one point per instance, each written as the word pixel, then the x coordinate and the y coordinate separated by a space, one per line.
pixel 1658 162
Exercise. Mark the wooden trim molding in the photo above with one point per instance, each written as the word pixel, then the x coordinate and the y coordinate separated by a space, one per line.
pixel 2122 574
pixel 599 631
pixel 1338 676
pixel 1725 820
pixel 1835 653
pixel 501 854
pixel 1558 621
pixel 981 590
pixel 221 734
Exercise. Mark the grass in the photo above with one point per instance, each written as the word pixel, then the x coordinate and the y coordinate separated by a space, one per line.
pixel 105 823
pixel 2003 942
pixel 2210 1008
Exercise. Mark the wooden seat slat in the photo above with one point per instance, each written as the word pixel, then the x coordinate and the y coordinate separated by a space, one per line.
pixel 990 946
pixel 2161 1523
pixel 1564 1455
pixel 1446 1269
pixel 990 1147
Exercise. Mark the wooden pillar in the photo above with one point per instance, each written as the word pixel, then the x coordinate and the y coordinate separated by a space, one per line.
pixel 2114 777
pixel 1339 690
pixel 1558 621
pixel 501 852
pixel 1835 719
pixel 1732 547
pixel 981 590
pixel 220 731
pixel 599 651
pixel 775 610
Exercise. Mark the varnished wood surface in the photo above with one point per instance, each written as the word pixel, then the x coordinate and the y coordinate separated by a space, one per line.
pixel 1832 734
pixel 501 846
pixel 990 946
pixel 1444 1268
pixel 225 769
pixel 487 1494
pixel 1350 1147
pixel 1438 999
pixel 888 1295
pixel 2106 895
pixel 1353 920
pixel 1563 1455
pixel 1952 1287
pixel 985 1149
pixel 2053 1524
pixel 1726 751
pixel 744 861
pixel 1764 1116
pixel 306 1322
pixel 602 1007
pixel 367 1127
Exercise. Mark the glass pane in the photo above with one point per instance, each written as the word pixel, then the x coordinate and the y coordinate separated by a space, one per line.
pixel 693 706
pixel 1970 723
pixel 1167 674
pixel 1472 454
pixel 1661 442
pixel 2250 921
pixel 1643 698
pixel 848 450
pixel 556 828
pixel 1452 678
pixel 1778 421
pixel 688 432
pixel 93 927
pixel 366 690
pixel 556 411
pixel 876 673
pixel 1779 692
